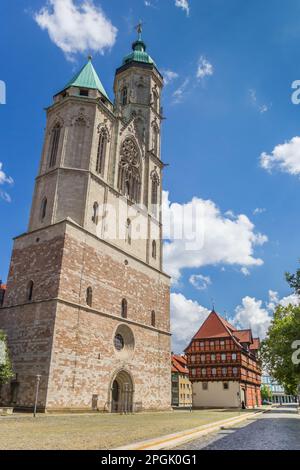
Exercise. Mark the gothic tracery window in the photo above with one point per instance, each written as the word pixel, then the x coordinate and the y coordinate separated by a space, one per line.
pixel 101 153
pixel 54 143
pixel 129 181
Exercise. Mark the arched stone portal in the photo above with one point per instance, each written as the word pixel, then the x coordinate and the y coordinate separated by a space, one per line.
pixel 122 393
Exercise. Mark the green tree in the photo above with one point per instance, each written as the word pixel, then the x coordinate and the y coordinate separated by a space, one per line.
pixel 6 372
pixel 294 281
pixel 279 349
pixel 266 393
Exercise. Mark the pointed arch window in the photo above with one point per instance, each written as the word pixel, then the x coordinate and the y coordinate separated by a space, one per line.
pixel 89 296
pixel 154 253
pixel 95 217
pixel 124 96
pixel 155 140
pixel 153 318
pixel 129 180
pixel 30 291
pixel 124 308
pixel 101 153
pixel 154 191
pixel 44 208
pixel 54 143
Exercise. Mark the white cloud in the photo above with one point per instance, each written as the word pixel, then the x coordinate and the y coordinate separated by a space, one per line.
pixel 186 318
pixel 284 157
pixel 184 5
pixel 259 210
pixel 200 282
pixel 274 300
pixel 245 271
pixel 262 108
pixel 198 235
pixel 180 93
pixel 4 179
pixel 205 68
pixel 252 314
pixel 77 27
pixel 169 76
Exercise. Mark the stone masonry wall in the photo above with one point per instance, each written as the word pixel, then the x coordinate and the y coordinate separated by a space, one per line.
pixel 70 344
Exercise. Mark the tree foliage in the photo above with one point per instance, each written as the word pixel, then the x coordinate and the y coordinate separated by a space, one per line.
pixel 6 372
pixel 294 281
pixel 266 393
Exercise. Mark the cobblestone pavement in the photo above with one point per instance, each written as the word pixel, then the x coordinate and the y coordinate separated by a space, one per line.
pixel 278 429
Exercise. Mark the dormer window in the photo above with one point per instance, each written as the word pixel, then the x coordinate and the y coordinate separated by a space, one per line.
pixel 83 92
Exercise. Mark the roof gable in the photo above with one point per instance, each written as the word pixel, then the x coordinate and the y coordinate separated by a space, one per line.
pixel 213 327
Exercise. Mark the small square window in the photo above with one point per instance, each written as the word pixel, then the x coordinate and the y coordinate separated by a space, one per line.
pixel 204 386
pixel 225 385
pixel 84 92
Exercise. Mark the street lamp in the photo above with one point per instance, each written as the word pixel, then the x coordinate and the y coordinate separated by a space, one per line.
pixel 38 379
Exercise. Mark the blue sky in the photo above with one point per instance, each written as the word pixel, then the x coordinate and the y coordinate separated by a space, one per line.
pixel 228 102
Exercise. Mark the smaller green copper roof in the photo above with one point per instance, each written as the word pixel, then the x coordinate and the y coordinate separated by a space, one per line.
pixel 87 78
pixel 139 54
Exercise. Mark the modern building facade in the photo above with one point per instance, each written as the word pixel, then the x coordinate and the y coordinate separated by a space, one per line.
pixel 223 365
pixel 181 385
pixel 278 393
pixel 87 302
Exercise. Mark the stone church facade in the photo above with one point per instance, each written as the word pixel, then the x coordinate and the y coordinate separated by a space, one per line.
pixel 87 302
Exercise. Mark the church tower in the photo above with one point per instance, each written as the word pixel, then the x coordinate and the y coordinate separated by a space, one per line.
pixel 87 302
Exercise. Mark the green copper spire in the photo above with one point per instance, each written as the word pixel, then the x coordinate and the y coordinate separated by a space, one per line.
pixel 87 78
pixel 139 53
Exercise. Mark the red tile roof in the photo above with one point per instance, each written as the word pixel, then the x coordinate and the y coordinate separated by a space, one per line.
pixel 244 336
pixel 179 364
pixel 255 345
pixel 215 327
pixel 3 286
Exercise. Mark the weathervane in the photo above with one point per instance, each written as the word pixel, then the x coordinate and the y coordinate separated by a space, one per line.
pixel 139 29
